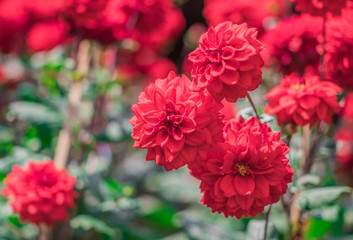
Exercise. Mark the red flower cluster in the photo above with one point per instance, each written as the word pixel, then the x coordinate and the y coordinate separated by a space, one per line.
pixel 303 100
pixel 247 172
pixel 291 45
pixel 253 12
pixel 40 193
pixel 227 62
pixel 320 7
pixel 175 124
pixel 151 23
pixel 339 50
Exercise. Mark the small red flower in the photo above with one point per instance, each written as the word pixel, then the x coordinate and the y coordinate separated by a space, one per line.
pixel 320 7
pixel 303 100
pixel 227 61
pixel 175 124
pixel 40 193
pixel 247 172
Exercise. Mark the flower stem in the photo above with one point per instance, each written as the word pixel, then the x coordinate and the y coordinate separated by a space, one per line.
pixel 75 93
pixel 44 232
pixel 266 221
pixel 253 106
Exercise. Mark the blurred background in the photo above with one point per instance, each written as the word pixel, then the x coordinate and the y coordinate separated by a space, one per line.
pixel 113 49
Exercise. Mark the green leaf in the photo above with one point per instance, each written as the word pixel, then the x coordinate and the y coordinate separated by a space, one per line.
pixel 317 229
pixel 35 113
pixel 87 223
pixel 319 197
pixel 307 181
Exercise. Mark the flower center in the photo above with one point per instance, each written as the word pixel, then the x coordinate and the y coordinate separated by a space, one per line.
pixel 45 181
pixel 242 169
pixel 301 83
pixel 214 55
pixel 173 119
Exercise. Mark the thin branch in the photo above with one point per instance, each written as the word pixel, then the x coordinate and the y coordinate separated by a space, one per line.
pixel 253 106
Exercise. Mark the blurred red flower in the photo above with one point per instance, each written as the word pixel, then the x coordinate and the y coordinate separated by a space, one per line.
pixel 253 12
pixel 40 193
pixel 46 35
pixel 303 100
pixel 320 7
pixel 175 124
pixel 291 45
pixel 247 172
pixel 227 61
pixel 339 50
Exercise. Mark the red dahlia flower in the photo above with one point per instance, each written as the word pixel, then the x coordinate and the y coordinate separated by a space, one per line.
pixel 227 61
pixel 291 45
pixel 175 124
pixel 303 100
pixel 40 193
pixel 339 50
pixel 320 7
pixel 253 12
pixel 247 172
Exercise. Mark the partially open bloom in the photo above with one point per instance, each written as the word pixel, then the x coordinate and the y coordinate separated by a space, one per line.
pixel 320 7
pixel 247 172
pixel 40 193
pixel 227 62
pixel 303 100
pixel 339 50
pixel 291 45
pixel 175 124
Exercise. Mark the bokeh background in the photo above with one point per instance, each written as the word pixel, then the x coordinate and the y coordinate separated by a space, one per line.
pixel 129 44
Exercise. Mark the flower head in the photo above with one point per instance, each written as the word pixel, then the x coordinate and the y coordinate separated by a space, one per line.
pixel 320 7
pixel 227 62
pixel 253 12
pixel 339 50
pixel 175 124
pixel 40 193
pixel 291 45
pixel 247 172
pixel 303 100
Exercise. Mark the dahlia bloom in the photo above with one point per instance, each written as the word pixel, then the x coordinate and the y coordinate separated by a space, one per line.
pixel 291 45
pixel 247 172
pixel 320 7
pixel 303 100
pixel 175 124
pixel 40 193
pixel 253 12
pixel 339 50
pixel 158 23
pixel 227 62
